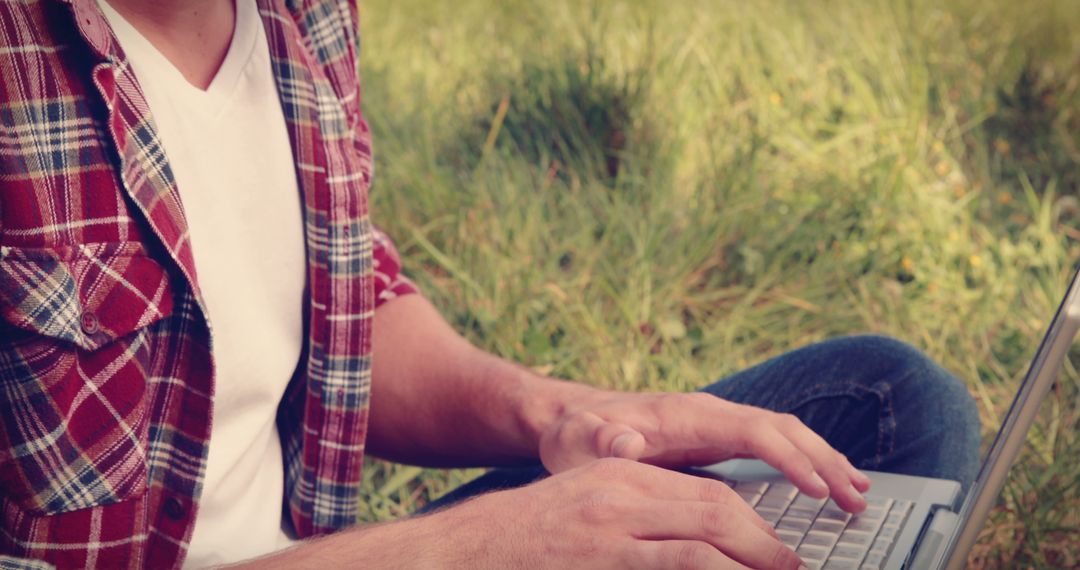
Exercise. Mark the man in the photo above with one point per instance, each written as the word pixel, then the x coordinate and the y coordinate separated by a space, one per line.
pixel 195 312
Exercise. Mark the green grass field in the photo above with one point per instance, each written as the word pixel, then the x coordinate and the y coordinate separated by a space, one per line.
pixel 651 195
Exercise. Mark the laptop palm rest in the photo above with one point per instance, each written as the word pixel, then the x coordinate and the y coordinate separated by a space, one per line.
pixel 931 550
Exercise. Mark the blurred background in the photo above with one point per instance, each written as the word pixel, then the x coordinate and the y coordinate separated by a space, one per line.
pixel 652 195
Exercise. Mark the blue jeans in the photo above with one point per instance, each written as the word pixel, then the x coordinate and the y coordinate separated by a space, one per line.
pixel 881 402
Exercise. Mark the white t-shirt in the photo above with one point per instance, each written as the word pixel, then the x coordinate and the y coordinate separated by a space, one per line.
pixel 230 153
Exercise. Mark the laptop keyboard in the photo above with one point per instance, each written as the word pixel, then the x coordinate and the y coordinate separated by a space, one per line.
pixel 825 536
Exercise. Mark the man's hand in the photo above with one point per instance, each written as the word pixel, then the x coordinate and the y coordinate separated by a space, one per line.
pixel 612 513
pixel 607 514
pixel 684 430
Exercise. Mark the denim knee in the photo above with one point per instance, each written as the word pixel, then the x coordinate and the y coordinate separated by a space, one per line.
pixel 935 414
pixel 911 375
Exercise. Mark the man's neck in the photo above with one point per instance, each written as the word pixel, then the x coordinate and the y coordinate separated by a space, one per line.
pixel 192 34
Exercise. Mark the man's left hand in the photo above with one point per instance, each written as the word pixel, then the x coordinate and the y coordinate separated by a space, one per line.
pixel 686 430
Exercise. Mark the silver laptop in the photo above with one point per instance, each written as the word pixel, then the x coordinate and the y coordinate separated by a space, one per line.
pixel 910 522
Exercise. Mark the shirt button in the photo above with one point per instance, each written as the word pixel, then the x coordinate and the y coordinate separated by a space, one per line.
pixel 89 323
pixel 174 508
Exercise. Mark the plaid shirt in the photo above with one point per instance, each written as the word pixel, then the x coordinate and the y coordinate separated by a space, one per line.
pixel 106 373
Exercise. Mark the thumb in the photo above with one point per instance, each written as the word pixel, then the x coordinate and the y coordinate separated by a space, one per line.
pixel 628 444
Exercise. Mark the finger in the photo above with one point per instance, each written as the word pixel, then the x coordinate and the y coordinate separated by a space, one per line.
pixel 830 464
pixel 734 535
pixel 782 441
pixel 659 483
pixel 590 437
pixel 858 478
pixel 806 460
pixel 771 446
pixel 572 440
pixel 679 555
pixel 625 443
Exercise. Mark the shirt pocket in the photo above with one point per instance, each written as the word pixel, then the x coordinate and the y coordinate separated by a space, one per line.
pixel 77 326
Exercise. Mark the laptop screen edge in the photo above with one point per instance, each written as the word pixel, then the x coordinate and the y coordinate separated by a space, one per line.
pixel 1012 435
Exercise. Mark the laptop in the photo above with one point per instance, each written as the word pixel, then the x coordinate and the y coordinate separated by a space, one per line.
pixel 910 522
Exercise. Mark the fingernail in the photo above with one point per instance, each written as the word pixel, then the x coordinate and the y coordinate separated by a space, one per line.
pixel 618 445
pixel 819 482
pixel 857 496
pixel 863 485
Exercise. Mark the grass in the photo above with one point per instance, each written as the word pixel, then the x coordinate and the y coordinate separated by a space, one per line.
pixel 651 195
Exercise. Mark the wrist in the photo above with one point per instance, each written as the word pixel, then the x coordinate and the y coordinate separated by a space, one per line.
pixel 460 536
pixel 383 545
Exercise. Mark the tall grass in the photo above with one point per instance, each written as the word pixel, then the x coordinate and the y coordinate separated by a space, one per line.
pixel 651 195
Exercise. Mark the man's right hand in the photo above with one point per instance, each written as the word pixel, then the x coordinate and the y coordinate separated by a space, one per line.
pixel 610 513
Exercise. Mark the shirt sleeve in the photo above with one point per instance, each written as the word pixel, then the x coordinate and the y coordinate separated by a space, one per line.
pixel 390 282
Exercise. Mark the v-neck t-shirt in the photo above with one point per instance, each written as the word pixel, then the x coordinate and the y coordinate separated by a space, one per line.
pixel 229 151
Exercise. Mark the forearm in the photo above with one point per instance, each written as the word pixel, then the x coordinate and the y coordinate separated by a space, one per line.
pixel 437 400
pixel 420 543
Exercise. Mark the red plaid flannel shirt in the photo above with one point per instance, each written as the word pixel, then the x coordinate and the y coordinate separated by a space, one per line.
pixel 106 376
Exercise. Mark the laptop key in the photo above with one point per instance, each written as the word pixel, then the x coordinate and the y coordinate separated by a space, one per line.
pixel 883 502
pixel 902 507
pixel 848 550
pixel 841 564
pixel 863 524
pixel 873 561
pixel 756 487
pixel 787 522
pixel 822 539
pixel 834 514
pixel 773 501
pixel 857 537
pixel 785 490
pixel 831 527
pixel 889 533
pixel 770 516
pixel 808 502
pixel 802 512
pixel 873 513
pixel 881 546
pixel 790 539
pixel 810 552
